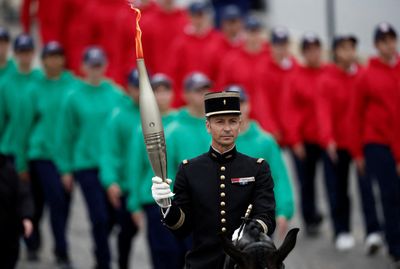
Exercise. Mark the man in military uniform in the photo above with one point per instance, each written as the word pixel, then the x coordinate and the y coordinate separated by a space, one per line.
pixel 213 191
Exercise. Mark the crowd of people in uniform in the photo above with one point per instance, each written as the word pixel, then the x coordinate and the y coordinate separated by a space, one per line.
pixel 76 122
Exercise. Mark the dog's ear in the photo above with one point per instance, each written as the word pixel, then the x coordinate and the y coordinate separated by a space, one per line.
pixel 239 257
pixel 287 245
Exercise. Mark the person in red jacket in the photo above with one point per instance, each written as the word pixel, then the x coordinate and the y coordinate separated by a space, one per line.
pixel 301 127
pixel 160 29
pixel 48 14
pixel 232 39
pixel 374 117
pixel 270 80
pixel 238 66
pixel 190 51
pixel 335 88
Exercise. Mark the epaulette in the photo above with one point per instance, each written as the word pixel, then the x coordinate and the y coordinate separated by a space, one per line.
pixel 260 160
pixel 185 161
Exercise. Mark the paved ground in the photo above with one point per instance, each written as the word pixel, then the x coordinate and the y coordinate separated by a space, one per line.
pixel 316 253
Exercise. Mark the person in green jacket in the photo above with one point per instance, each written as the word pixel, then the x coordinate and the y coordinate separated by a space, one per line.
pixel 13 90
pixel 114 161
pixel 6 65
pixel 253 141
pixel 166 250
pixel 41 110
pixel 81 124
pixel 188 136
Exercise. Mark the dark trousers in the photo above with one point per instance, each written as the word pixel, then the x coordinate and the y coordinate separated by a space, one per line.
pixel 167 252
pixel 9 253
pixel 337 186
pixel 381 166
pixel 98 209
pixel 367 197
pixel 33 242
pixel 127 230
pixel 306 175
pixel 58 200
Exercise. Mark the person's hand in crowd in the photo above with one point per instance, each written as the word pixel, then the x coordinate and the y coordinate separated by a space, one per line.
pixel 332 152
pixel 282 226
pixel 24 176
pixel 360 165
pixel 161 191
pixel 28 227
pixel 68 182
pixel 299 151
pixel 114 195
pixel 138 219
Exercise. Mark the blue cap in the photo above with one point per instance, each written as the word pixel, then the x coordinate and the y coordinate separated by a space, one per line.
pixel 52 48
pixel 310 39
pixel 23 42
pixel 239 89
pixel 384 29
pixel 279 35
pixel 199 7
pixel 230 12
pixel 94 56
pixel 160 79
pixel 133 78
pixel 253 23
pixel 4 34
pixel 342 38
pixel 196 81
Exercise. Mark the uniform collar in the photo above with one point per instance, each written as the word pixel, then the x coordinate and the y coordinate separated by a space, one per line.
pixel 222 157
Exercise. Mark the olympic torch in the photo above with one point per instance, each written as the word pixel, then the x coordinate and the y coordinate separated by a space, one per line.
pixel 152 128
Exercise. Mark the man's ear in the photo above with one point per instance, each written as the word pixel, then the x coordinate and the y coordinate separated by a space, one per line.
pixel 208 126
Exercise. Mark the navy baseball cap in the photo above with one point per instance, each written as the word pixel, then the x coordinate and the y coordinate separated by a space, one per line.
pixel 279 35
pixel 230 13
pixel 4 34
pixel 52 48
pixel 239 89
pixel 23 42
pixel 310 39
pixel 198 7
pixel 384 29
pixel 94 56
pixel 196 81
pixel 342 38
pixel 133 78
pixel 252 23
pixel 160 79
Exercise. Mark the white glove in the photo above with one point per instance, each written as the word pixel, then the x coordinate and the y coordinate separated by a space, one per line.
pixel 236 235
pixel 161 191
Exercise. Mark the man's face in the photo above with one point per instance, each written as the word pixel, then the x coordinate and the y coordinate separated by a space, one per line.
pixel 245 110
pixel 94 71
pixel 346 52
pixel 24 58
pixel 254 37
pixel 232 27
pixel 387 46
pixel 4 45
pixel 53 63
pixel 199 20
pixel 224 129
pixel 133 92
pixel 164 97
pixel 312 55
pixel 195 98
pixel 280 50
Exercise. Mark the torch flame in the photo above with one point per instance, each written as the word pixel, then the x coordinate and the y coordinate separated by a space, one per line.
pixel 138 38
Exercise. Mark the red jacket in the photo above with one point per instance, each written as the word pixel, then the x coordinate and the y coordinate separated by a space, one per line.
pixel 335 88
pixel 160 30
pixel 300 109
pixel 48 15
pixel 190 53
pixel 375 106
pixel 269 93
pixel 217 53
pixel 238 67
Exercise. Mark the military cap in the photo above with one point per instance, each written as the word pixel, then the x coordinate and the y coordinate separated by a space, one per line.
pixel 219 103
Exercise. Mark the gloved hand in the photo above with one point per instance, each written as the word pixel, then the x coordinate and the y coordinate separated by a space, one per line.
pixel 161 191
pixel 236 235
